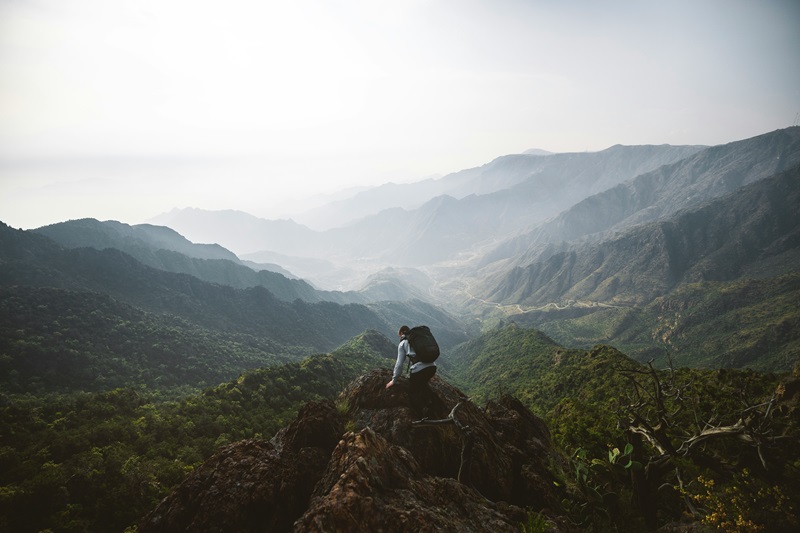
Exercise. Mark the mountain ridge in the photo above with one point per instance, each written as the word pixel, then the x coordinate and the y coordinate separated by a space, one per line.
pixel 473 203
pixel 700 178
pixel 665 252
pixel 32 260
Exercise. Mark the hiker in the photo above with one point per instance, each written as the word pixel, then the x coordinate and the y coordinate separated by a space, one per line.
pixel 419 391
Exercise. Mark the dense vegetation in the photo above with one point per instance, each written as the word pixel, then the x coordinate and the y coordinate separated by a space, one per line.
pixel 99 461
pixel 31 260
pixel 719 439
pixel 56 340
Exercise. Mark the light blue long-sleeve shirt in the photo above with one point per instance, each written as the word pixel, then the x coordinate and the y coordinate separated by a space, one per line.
pixel 404 350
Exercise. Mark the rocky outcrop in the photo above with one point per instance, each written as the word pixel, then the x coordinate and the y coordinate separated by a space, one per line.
pixel 254 485
pixel 373 485
pixel 506 436
pixel 363 465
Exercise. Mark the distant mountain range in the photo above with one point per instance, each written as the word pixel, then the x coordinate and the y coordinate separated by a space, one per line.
pixel 435 220
pixel 164 249
pixel 752 232
pixel 105 313
pixel 586 246
pixel 545 238
pixel 130 354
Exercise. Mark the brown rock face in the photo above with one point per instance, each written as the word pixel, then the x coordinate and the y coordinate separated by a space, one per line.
pixel 385 474
pixel 254 485
pixel 372 485
pixel 507 437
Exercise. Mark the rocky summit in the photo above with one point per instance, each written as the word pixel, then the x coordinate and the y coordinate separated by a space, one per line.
pixel 364 463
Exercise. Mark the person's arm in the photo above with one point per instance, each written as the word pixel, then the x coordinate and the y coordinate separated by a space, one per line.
pixel 401 359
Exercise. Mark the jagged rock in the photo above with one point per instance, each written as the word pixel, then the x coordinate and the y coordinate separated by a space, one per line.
pixel 510 446
pixel 367 466
pixel 254 485
pixel 372 485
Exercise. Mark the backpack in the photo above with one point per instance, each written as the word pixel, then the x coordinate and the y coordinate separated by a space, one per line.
pixel 424 345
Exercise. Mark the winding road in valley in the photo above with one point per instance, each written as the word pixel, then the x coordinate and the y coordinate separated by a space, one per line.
pixel 512 309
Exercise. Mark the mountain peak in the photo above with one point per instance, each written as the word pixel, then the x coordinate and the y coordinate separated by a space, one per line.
pixel 537 151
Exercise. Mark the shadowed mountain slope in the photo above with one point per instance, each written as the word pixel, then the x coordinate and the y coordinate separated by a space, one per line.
pixel 691 182
pixel 755 232
pixel 164 249
pixel 30 261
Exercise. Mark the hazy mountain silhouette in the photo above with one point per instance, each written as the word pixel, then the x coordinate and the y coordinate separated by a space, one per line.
pixel 489 242
pixel 700 178
pixel 475 205
pixel 165 249
pixel 751 232
pixel 32 260
pixel 236 230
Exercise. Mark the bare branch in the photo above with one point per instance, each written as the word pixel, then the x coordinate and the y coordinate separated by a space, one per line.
pixel 467 440
pixel 737 429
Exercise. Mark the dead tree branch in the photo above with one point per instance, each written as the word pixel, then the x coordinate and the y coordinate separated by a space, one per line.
pixel 467 440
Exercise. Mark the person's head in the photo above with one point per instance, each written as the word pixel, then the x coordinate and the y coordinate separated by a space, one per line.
pixel 403 330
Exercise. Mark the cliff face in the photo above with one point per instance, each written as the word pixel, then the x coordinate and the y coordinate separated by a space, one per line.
pixel 365 466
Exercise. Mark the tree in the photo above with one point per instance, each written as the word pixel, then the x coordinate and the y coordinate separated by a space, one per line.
pixel 689 429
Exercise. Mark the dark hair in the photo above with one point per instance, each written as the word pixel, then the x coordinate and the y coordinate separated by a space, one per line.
pixel 403 330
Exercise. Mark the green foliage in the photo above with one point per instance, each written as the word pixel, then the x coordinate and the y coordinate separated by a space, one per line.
pixel 585 399
pixel 596 498
pixel 600 491
pixel 621 459
pixel 99 461
pixel 536 523
pixel 101 411
pixel 574 390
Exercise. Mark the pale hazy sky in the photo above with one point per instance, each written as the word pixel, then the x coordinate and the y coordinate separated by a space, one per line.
pixel 123 109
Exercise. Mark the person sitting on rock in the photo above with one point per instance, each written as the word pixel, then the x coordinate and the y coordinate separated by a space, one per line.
pixel 419 390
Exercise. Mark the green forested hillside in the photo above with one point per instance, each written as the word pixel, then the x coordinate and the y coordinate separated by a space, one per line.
pixel 253 311
pixel 502 361
pixel 719 439
pixel 527 364
pixel 117 378
pixel 103 362
pixel 164 249
pixel 100 461
pixel 58 340
pixel 543 374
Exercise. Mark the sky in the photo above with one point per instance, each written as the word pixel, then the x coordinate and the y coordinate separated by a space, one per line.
pixel 126 109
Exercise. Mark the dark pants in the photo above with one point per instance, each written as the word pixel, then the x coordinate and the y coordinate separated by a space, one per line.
pixel 420 393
